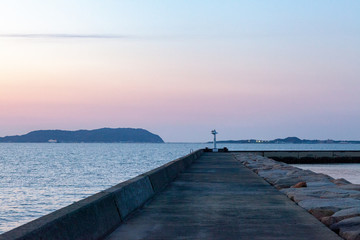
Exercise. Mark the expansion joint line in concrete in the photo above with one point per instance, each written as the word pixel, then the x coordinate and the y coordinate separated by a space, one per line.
pixel 118 210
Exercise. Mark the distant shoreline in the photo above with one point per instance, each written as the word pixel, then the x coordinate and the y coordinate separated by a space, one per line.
pixel 289 140
pixel 102 135
pixel 237 142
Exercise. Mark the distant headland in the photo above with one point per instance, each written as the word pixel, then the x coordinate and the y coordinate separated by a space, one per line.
pixel 288 140
pixel 103 135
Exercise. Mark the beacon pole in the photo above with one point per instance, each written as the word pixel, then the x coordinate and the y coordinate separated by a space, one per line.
pixel 214 132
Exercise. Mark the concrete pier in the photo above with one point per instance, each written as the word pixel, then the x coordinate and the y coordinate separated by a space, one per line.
pixel 218 198
pixel 310 156
pixel 203 195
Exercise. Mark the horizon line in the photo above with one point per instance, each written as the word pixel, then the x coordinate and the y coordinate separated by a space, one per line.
pixel 65 36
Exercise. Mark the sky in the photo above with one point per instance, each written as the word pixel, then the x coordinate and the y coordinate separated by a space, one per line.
pixel 249 69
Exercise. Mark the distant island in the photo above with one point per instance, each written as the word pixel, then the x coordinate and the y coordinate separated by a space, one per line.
pixel 288 140
pixel 103 135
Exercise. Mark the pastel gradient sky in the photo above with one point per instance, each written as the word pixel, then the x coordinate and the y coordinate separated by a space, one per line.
pixel 250 69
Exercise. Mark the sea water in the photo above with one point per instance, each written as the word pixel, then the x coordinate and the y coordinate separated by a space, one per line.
pixel 38 178
pixel 349 171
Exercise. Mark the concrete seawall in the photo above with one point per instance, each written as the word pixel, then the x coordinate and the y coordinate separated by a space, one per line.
pixel 98 215
pixel 309 157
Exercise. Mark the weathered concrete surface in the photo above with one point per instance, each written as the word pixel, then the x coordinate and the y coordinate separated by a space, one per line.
pixel 219 198
pixel 131 194
pixel 290 156
pixel 98 215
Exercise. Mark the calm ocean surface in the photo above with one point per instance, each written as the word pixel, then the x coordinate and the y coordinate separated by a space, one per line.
pixel 36 179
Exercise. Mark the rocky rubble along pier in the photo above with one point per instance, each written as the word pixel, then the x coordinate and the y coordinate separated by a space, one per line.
pixel 335 202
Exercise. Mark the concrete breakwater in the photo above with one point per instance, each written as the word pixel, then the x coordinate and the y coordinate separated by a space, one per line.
pixel 335 202
pixel 199 196
pixel 219 198
pixel 309 157
pixel 98 215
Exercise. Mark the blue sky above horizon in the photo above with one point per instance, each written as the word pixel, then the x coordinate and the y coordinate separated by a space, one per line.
pixel 250 69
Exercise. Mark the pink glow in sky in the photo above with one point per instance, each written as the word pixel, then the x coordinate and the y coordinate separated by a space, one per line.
pixel 249 75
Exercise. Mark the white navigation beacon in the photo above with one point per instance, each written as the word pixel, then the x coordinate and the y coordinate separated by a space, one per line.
pixel 214 132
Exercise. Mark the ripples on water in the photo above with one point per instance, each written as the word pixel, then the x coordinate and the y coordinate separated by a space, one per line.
pixel 36 179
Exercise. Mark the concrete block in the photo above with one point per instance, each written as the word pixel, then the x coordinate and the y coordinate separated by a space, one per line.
pixel 198 153
pixel 281 154
pixel 94 219
pixel 91 218
pixel 316 154
pixel 346 154
pixel 187 161
pixel 158 178
pixel 162 176
pixel 132 194
pixel 174 168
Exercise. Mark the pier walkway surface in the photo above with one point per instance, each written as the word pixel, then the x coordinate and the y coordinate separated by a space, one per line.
pixel 219 198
